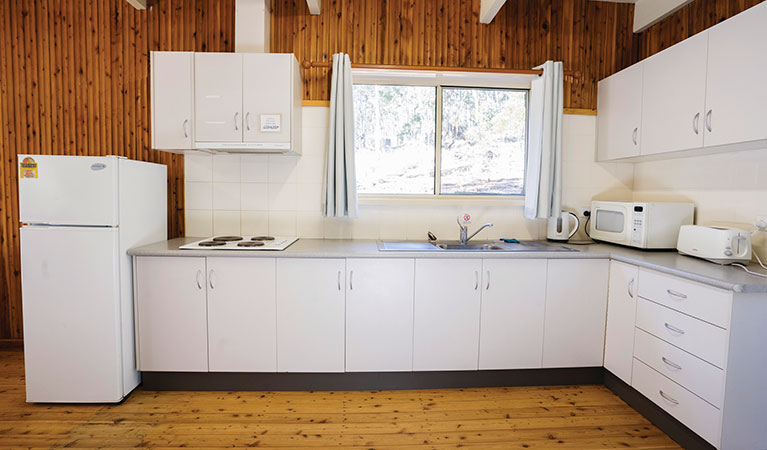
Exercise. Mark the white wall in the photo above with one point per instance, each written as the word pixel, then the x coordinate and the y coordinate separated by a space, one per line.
pixel 728 189
pixel 276 194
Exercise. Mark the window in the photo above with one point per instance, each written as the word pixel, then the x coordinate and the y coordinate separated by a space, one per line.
pixel 428 138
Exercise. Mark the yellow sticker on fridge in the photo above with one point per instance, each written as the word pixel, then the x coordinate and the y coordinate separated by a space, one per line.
pixel 28 168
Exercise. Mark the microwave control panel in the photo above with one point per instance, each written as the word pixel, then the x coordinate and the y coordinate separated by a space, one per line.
pixel 637 226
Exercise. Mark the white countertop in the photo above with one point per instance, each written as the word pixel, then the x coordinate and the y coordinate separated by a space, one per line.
pixel 667 261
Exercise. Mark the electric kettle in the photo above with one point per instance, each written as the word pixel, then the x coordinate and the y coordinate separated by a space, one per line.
pixel 562 227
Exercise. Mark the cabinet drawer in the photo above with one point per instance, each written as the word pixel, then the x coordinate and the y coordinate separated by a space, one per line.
pixel 696 299
pixel 700 377
pixel 687 407
pixel 702 339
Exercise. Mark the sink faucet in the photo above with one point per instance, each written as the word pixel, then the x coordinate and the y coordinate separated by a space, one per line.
pixel 465 231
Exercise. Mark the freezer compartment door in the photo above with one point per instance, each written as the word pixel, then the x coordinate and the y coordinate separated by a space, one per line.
pixel 68 190
pixel 71 310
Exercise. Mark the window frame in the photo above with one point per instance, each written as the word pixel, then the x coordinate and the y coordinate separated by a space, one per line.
pixel 448 79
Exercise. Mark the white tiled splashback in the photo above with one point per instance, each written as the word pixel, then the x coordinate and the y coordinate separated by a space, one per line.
pixel 277 194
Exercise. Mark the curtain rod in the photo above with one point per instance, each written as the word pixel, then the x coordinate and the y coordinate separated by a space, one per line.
pixel 312 64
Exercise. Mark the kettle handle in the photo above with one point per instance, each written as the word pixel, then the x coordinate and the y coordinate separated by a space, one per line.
pixel 577 225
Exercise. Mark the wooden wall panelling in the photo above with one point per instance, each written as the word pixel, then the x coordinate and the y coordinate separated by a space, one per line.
pixel 74 80
pixel 447 33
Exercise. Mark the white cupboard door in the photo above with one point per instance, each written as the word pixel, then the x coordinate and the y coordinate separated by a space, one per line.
pixel 736 91
pixel 576 306
pixel 310 315
pixel 619 109
pixel 172 93
pixel 621 319
pixel 379 315
pixel 171 314
pixel 447 308
pixel 674 90
pixel 513 303
pixel 218 97
pixel 242 329
pixel 267 97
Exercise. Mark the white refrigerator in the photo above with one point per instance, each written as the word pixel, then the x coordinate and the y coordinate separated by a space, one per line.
pixel 79 216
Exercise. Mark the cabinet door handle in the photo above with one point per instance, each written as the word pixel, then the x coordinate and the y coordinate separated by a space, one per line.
pixel 247 120
pixel 708 119
pixel 667 397
pixel 673 328
pixel 236 119
pixel 351 280
pixel 211 275
pixel 695 121
pixel 634 135
pixel 671 363
pixel 339 280
pixel 476 280
pixel 184 127
pixel 199 281
pixel 487 286
pixel 676 294
pixel 630 288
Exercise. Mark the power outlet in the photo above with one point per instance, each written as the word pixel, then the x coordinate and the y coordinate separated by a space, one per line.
pixel 761 223
pixel 584 212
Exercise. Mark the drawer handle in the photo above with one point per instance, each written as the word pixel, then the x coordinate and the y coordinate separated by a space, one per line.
pixel 667 397
pixel 674 293
pixel 673 328
pixel 670 363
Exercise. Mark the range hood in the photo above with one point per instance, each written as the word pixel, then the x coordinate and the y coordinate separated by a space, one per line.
pixel 245 147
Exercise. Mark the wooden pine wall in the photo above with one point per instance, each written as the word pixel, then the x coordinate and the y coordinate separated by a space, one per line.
pixel 593 39
pixel 74 80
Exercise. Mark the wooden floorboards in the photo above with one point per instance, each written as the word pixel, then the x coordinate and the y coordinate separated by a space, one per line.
pixel 566 417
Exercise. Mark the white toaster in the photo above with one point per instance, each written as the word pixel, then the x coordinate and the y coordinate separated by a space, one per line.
pixel 722 245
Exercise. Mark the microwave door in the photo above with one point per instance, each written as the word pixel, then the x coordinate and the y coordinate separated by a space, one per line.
pixel 612 224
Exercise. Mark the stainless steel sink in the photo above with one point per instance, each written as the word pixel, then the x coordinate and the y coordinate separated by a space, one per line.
pixel 473 246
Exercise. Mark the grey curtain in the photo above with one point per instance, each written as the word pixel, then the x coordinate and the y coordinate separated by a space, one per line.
pixel 340 190
pixel 543 178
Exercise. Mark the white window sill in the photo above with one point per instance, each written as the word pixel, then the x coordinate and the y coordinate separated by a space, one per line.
pixel 437 200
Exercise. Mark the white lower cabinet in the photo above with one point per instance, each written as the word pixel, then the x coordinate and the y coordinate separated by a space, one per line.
pixel 621 319
pixel 513 304
pixel 379 315
pixel 310 314
pixel 576 302
pixel 447 308
pixel 171 318
pixel 242 335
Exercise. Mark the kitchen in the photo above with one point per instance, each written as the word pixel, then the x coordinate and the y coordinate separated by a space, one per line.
pixel 364 322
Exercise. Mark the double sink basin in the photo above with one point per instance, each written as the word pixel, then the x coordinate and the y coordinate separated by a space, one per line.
pixel 472 246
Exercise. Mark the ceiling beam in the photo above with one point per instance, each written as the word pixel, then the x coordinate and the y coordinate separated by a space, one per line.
pixel 314 6
pixel 138 4
pixel 488 9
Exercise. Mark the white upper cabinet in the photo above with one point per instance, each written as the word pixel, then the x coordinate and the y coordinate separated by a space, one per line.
pixel 171 323
pixel 621 319
pixel 576 300
pixel 447 308
pixel 704 92
pixel 218 97
pixel 619 123
pixel 674 90
pixel 172 100
pixel 268 97
pixel 736 89
pixel 379 315
pixel 310 314
pixel 513 304
pixel 242 334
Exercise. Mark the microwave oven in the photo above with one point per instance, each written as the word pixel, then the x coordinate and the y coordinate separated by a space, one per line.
pixel 650 225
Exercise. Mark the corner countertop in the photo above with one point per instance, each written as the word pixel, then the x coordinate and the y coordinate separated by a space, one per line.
pixel 666 261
